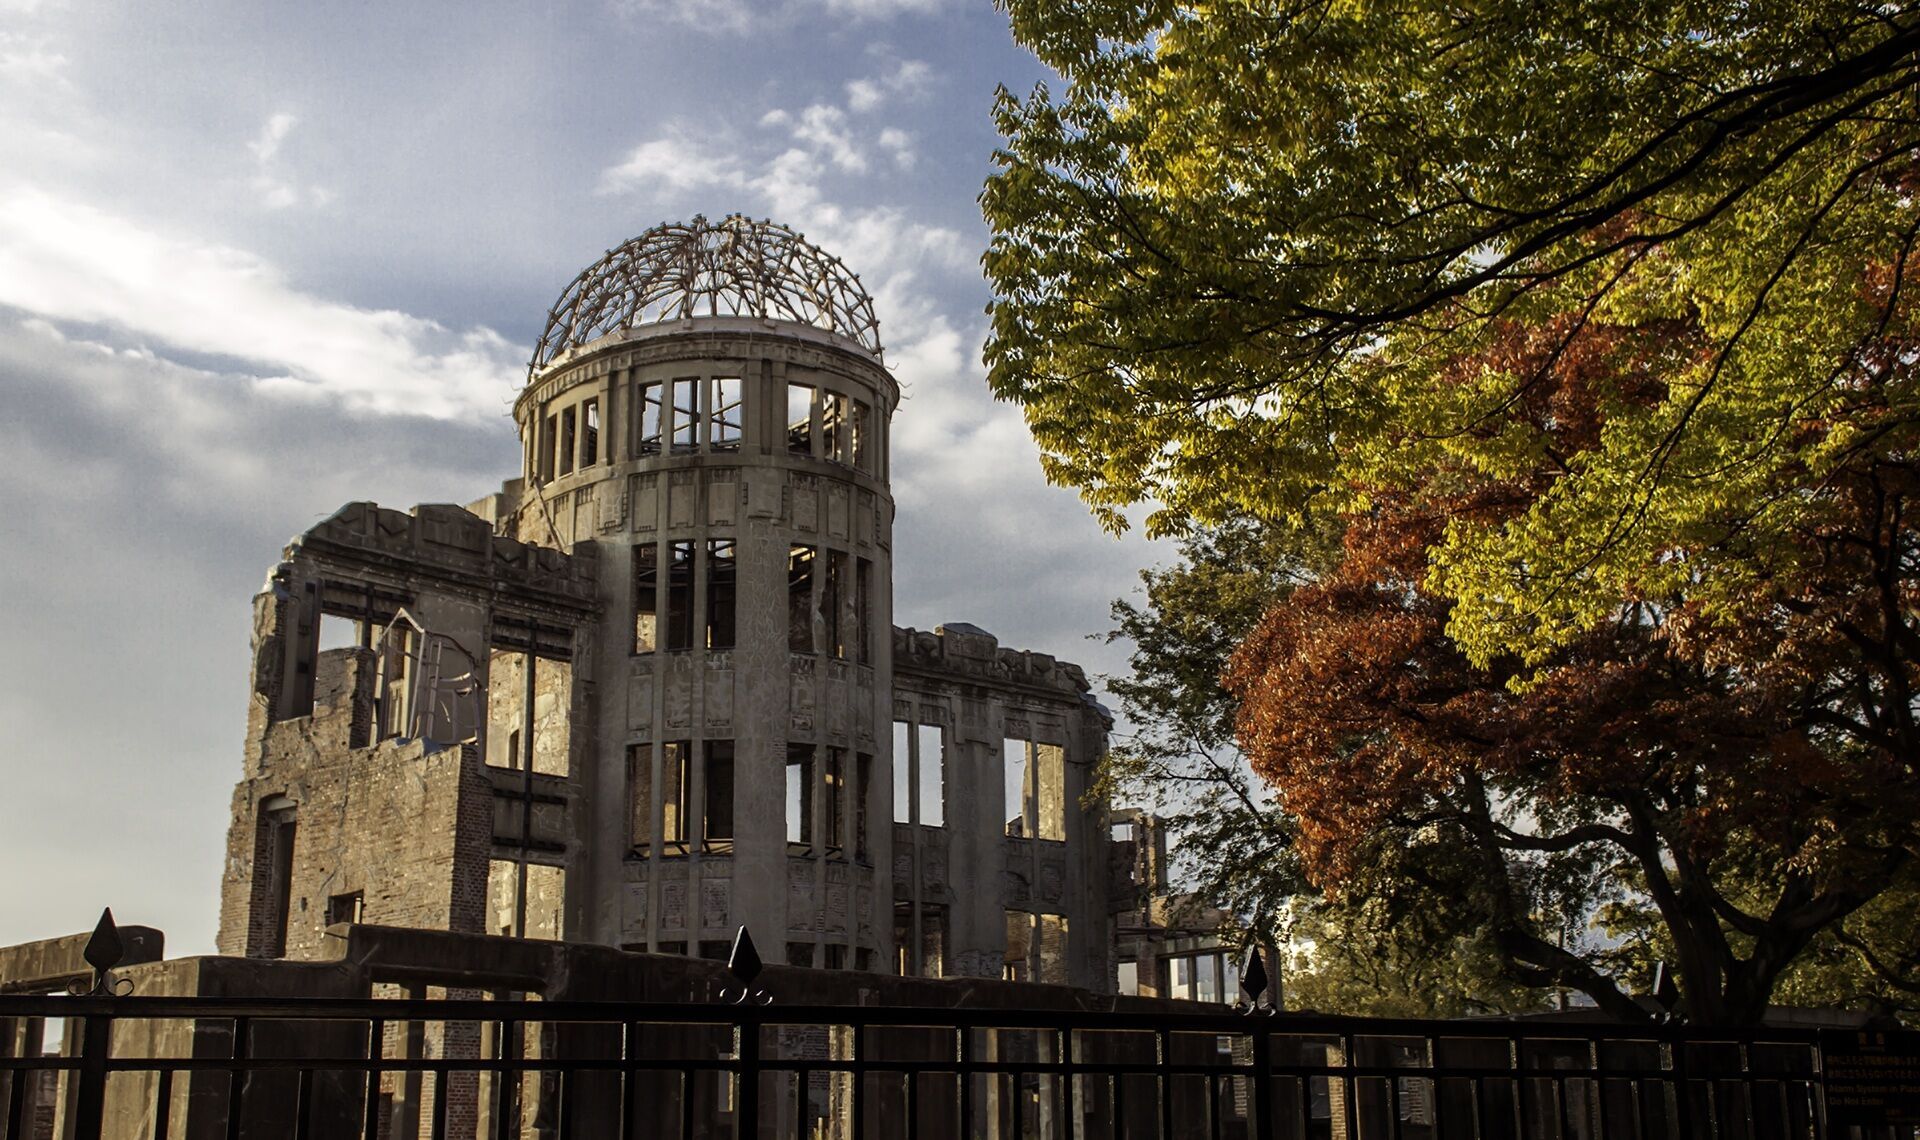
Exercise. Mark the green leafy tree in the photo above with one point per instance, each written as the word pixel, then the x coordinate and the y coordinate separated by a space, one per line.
pixel 1238 260
pixel 1607 310
pixel 1729 794
pixel 1385 950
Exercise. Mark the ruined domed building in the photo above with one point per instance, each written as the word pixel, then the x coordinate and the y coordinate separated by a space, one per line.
pixel 651 691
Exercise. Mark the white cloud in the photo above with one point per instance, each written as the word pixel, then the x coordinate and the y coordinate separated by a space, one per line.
pixel 275 191
pixel 737 16
pixel 729 16
pixel 28 59
pixel 71 263
pixel 824 128
pixel 671 163
pixel 881 9
pixel 899 144
pixel 272 134
pixel 910 79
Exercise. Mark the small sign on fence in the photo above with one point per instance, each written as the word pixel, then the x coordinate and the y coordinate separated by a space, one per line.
pixel 1872 1077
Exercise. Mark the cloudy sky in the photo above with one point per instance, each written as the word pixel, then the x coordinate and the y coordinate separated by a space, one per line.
pixel 260 259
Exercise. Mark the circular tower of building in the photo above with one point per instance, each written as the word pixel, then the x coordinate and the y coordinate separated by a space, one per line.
pixel 707 409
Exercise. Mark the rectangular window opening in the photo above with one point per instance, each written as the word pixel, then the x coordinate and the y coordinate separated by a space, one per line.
pixel 902 765
pixel 933 941
pixel 1016 965
pixel 1051 934
pixel 830 601
pixel 836 815
pixel 679 595
pixel 931 962
pixel 833 426
pixel 640 797
pixel 720 593
pixel 646 598
pixel 727 418
pixel 1014 754
pixel 549 440
pixel 686 415
pixel 863 609
pixel 674 770
pixel 652 429
pixel 862 789
pixel 590 432
pixel 1049 810
pixel 800 799
pixel 273 875
pixel 800 562
pixel 800 419
pixel 933 775
pixel 348 907
pixel 566 441
pixel 862 450
pixel 717 829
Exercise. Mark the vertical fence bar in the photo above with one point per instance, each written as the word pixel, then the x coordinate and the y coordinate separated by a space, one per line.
pixel 1350 1094
pixel 858 1077
pixel 19 1087
pixel 747 1068
pixel 440 1102
pixel 1063 1045
pixel 91 1103
pixel 162 1104
pixel 236 1075
pixel 1391 1086
pixel 303 1106
pixel 965 1053
pixel 568 1087
pixel 1261 1084
pixel 802 1095
pixel 629 1103
pixel 508 1084
pixel 1164 1046
pixel 1599 1086
pixel 370 1109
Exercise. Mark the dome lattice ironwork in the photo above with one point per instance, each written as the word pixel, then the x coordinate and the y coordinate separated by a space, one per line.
pixel 734 267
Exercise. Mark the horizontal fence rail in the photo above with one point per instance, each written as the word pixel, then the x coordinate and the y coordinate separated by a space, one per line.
pixel 156 1068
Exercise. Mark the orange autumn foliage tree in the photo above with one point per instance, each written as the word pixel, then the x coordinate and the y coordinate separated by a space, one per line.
pixel 1747 779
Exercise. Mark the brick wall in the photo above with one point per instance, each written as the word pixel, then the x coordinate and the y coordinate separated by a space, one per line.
pixel 405 823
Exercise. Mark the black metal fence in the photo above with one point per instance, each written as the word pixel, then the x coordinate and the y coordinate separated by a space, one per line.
pixel 166 1068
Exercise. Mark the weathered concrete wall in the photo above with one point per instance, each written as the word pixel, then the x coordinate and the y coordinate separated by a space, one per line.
pixel 369 759
pixel 405 823
pixel 756 696
pixel 50 965
pixel 1022 904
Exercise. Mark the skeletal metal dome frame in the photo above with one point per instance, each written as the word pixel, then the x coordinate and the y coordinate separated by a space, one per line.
pixel 734 267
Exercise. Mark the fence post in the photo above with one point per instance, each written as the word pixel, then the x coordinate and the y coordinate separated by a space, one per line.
pixel 1262 1083
pixel 91 1104
pixel 748 1055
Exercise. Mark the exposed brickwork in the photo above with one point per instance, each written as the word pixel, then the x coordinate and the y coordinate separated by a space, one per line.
pixel 407 824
